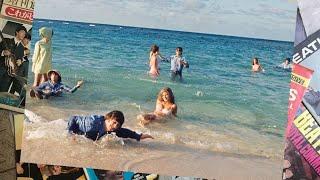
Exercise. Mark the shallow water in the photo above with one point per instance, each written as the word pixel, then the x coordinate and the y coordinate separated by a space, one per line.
pixel 222 106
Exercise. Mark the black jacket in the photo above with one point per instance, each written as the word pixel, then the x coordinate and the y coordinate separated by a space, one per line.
pixel 16 50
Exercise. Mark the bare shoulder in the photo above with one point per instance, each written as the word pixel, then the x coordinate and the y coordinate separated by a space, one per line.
pixel 174 109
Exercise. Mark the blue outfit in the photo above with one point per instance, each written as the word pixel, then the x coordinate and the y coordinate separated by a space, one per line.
pixel 176 63
pixel 49 89
pixel 93 127
pixel 176 66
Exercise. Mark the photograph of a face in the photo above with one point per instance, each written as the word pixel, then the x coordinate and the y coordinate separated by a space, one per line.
pixel 189 88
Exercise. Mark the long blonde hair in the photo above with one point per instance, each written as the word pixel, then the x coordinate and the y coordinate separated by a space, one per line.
pixel 170 93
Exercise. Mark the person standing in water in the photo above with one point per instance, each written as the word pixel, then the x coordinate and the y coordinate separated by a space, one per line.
pixel 153 62
pixel 177 63
pixel 256 67
pixel 42 56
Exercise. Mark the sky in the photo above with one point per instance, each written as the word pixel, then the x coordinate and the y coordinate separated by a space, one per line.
pixel 266 19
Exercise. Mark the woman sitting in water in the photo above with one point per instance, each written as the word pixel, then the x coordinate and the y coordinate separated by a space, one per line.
pixel 165 108
pixel 256 67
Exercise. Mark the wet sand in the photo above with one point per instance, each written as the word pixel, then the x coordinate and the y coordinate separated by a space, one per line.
pixel 49 143
pixel 161 161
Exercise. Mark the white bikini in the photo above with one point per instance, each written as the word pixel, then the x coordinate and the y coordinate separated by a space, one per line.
pixel 163 110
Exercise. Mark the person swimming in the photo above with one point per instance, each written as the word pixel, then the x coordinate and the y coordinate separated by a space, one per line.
pixel 286 64
pixel 165 108
pixel 256 67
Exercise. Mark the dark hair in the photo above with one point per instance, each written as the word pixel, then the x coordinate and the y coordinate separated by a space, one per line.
pixel 116 115
pixel 179 49
pixel 288 59
pixel 154 48
pixel 20 28
pixel 255 58
pixel 28 36
pixel 51 169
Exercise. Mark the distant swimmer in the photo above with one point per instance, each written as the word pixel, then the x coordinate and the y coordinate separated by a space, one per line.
pixel 286 64
pixel 256 67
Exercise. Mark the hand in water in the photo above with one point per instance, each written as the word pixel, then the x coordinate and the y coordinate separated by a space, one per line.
pixel 146 136
pixel 79 83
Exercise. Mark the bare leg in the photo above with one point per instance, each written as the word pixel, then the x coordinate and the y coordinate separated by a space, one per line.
pixel 37 78
pixel 44 78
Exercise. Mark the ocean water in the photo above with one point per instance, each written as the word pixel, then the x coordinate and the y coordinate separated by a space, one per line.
pixel 222 105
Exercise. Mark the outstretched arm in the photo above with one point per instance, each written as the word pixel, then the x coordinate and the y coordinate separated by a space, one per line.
pixel 127 133
pixel 74 89
pixel 146 136
pixel 162 58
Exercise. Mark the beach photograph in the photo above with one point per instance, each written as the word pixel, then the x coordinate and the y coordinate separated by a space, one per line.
pixel 188 88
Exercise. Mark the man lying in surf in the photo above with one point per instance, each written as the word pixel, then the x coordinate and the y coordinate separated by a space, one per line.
pixel 53 87
pixel 96 126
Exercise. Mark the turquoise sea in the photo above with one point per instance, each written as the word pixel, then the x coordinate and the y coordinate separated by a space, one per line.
pixel 222 105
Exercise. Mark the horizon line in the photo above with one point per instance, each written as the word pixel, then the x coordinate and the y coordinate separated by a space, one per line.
pixel 166 30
